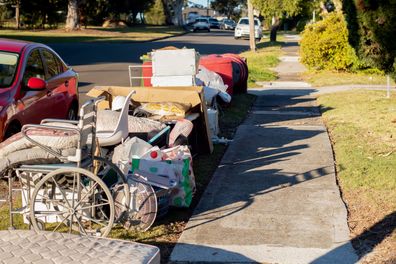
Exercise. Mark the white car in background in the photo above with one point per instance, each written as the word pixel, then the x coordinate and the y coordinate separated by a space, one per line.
pixel 242 29
pixel 201 23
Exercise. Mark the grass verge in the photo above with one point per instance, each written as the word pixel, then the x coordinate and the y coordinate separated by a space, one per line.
pixel 362 127
pixel 329 78
pixel 261 62
pixel 93 34
pixel 166 232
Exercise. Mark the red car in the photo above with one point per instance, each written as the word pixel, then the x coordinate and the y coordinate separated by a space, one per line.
pixel 35 84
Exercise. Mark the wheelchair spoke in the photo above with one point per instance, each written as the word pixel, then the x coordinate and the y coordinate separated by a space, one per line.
pixel 81 226
pixel 63 193
pixel 86 194
pixel 92 206
pixel 65 218
pixel 91 219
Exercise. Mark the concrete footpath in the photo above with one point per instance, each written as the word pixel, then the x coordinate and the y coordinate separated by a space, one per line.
pixel 274 197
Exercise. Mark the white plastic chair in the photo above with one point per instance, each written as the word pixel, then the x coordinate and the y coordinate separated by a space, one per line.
pixel 121 131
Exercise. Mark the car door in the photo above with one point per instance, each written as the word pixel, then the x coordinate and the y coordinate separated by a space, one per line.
pixel 57 84
pixel 31 101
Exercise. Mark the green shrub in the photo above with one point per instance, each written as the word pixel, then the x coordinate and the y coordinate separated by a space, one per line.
pixel 325 46
pixel 372 27
pixel 156 14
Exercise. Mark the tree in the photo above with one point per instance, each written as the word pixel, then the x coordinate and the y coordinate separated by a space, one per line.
pixel 174 11
pixel 155 15
pixel 372 29
pixel 5 6
pixel 276 9
pixel 93 12
pixel 138 6
pixel 226 7
pixel 72 19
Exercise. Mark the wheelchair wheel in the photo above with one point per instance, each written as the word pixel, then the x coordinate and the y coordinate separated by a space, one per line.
pixel 116 181
pixel 72 200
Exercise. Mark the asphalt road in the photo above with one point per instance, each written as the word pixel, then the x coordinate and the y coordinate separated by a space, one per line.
pixel 107 63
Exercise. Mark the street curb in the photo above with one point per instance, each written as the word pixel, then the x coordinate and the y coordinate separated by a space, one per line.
pixel 123 41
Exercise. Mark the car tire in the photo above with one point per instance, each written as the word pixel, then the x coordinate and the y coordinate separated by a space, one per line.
pixel 194 30
pixel 208 30
pixel 236 37
pixel 72 113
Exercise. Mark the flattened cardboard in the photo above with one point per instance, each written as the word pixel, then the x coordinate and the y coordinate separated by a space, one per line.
pixel 188 94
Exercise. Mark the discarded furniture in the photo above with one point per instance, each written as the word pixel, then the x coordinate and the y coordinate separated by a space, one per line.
pixel 28 246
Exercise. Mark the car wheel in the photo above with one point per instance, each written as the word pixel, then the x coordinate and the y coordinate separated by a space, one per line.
pixel 194 30
pixel 208 30
pixel 236 37
pixel 72 113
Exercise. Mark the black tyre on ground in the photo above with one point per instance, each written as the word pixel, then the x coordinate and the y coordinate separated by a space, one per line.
pixel 72 113
pixel 12 129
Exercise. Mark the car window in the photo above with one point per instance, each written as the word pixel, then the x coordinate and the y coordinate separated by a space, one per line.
pixel 53 68
pixel 202 20
pixel 8 65
pixel 34 67
pixel 246 22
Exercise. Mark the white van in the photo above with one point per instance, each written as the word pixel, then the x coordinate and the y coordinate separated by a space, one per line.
pixel 242 29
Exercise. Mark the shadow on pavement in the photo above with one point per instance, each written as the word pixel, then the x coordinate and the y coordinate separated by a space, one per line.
pixel 227 195
pixel 214 253
pixel 262 168
pixel 368 240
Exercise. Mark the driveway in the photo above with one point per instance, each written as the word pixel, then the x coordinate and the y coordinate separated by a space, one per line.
pixel 107 63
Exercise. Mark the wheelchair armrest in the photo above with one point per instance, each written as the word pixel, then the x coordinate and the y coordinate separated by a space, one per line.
pixel 53 120
pixel 26 128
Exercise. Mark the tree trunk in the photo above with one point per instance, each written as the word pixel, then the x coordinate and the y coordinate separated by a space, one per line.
pixel 142 19
pixel 72 22
pixel 178 12
pixel 167 12
pixel 17 15
pixel 274 29
pixel 252 37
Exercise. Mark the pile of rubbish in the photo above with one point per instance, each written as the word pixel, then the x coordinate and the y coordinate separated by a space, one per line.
pixel 220 75
pixel 138 141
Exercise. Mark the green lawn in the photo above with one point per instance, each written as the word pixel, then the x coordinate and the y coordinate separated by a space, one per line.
pixel 329 78
pixel 93 34
pixel 362 127
pixel 260 63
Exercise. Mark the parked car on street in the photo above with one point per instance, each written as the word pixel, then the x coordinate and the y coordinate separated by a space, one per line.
pixel 214 23
pixel 201 23
pixel 242 29
pixel 35 83
pixel 228 24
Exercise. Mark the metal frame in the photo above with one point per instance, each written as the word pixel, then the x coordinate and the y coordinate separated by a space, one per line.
pixel 77 165
pixel 130 67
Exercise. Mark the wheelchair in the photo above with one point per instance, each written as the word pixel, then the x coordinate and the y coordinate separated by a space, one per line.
pixel 75 195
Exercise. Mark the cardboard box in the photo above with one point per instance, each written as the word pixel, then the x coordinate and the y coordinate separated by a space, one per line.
pixel 189 94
